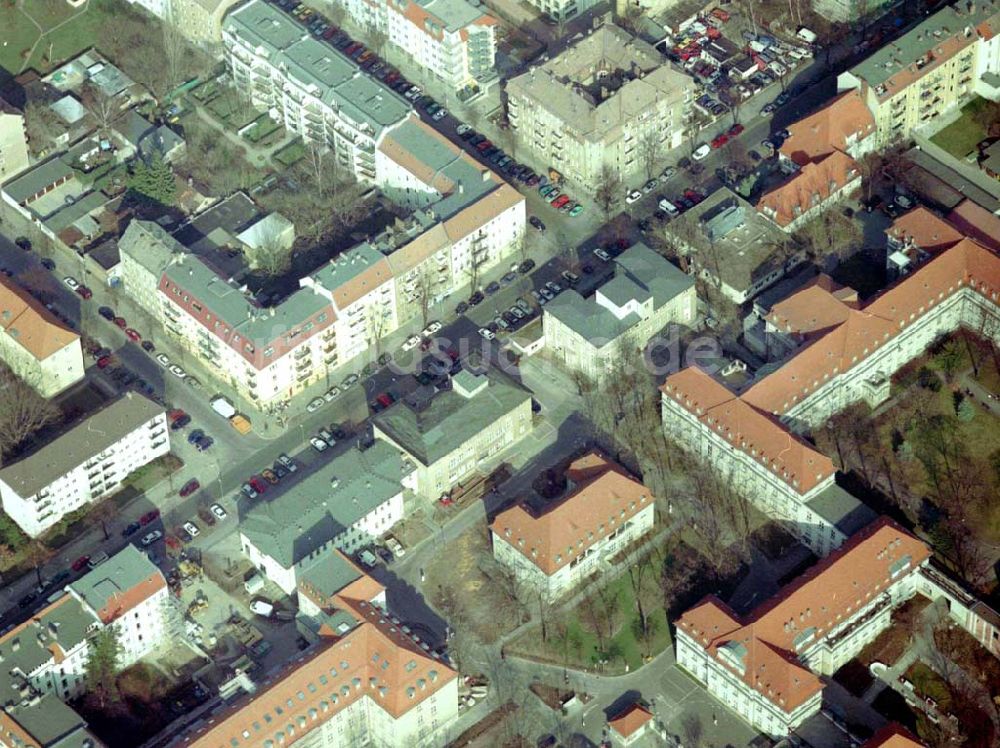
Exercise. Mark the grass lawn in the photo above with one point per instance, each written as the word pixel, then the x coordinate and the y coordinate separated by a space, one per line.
pixel 579 646
pixel 961 137
pixel 263 127
pixel 19 33
pixel 928 683
pixel 77 29
pixel 291 154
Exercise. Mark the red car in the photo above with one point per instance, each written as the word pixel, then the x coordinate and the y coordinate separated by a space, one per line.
pixel 735 130
pixel 81 563
pixel 133 335
pixel 328 34
pixel 560 201
pixel 175 413
pixel 484 145
pixel 84 292
pixel 149 516
pixel 446 500
pixel 384 399
pixel 720 140
pixel 103 361
pixel 190 487
pixel 259 485
pixel 120 321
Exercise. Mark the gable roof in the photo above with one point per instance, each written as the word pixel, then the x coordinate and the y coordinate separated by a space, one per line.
pixel 29 324
pixel 604 498
pixel 845 120
pixel 762 648
pixel 977 223
pixel 375 659
pixel 748 429
pixel 868 329
pixel 814 183
pixel 120 584
pixel 925 230
pixel 631 720
pixel 816 307
pixel 892 736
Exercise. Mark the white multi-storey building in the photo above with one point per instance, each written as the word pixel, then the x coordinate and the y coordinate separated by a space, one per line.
pixel 453 40
pixel 310 87
pixel 84 464
pixel 13 142
pixel 752 437
pixel 36 346
pixel 591 336
pixel 460 430
pixel 356 498
pixel 604 512
pixel 765 666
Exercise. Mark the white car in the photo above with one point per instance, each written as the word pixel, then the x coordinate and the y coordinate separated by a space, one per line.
pixel 288 462
pixel 178 371
pixel 318 444
pixel 701 152
pixel 332 394
pixel 315 405
pixel 163 360
pixel 546 293
pixel 393 545
pixel 150 538
pixel 462 129
pixel 218 511
pixel 632 197
pixel 486 333
pixel 439 115
pixel 71 282
pixel 192 529
pixel 411 342
pixel 431 328
pixel 601 254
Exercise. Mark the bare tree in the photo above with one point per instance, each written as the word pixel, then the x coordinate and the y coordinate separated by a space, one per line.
pixel 377 39
pixel 43 126
pixel 37 554
pixel 176 54
pixel 23 412
pixel 691 730
pixel 377 321
pixel 103 107
pixel 269 253
pixel 608 193
pixel 425 293
pixel 651 150
pixel 102 513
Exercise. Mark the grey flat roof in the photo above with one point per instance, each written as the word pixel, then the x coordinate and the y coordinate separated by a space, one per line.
pixel 149 245
pixel 588 318
pixel 126 569
pixel 72 212
pixel 36 180
pixel 438 428
pixel 329 573
pixel 337 81
pixel 454 14
pixel 52 723
pixel 91 436
pixel 217 225
pixel 842 510
pixel 315 510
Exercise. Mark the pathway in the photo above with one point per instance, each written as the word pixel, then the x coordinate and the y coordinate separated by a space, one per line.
pixel 257 155
pixel 43 32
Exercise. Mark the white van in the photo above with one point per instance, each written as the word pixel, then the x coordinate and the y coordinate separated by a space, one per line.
pixel 669 208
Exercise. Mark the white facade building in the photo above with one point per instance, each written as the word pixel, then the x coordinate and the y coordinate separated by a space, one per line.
pixel 36 346
pixel 358 497
pixel 84 464
pixel 604 512
pixel 765 666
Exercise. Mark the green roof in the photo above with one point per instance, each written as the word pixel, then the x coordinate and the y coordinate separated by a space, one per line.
pixel 338 81
pixel 150 246
pixel 314 511
pixel 329 573
pixel 640 274
pixel 454 14
pixel 898 55
pixel 38 179
pixel 51 723
pixel 433 430
pixel 126 569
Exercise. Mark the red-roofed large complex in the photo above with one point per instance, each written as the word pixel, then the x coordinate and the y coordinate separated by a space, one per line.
pixel 605 510
pixel 850 353
pixel 819 155
pixel 765 665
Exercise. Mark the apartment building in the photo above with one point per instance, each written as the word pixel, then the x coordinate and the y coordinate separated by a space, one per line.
pixel 453 40
pixel 451 433
pixel 591 336
pixel 366 680
pixel 932 69
pixel 35 344
pixel 13 141
pixel 310 87
pixel 356 498
pixel 552 548
pixel 45 655
pixel 326 583
pixel 200 20
pixel 765 666
pixel 819 157
pixel 752 436
pixel 730 244
pixel 85 463
pixel 606 102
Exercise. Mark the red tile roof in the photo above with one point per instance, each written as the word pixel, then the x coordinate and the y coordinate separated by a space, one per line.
pixel 375 659
pixel 925 230
pixel 893 736
pixel 814 183
pixel 835 127
pixel 815 308
pixel 605 496
pixel 629 721
pixel 28 323
pixel 977 223
pixel 748 429
pixel 811 607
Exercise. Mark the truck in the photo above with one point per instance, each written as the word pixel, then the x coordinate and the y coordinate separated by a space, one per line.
pixel 223 407
pixel 240 423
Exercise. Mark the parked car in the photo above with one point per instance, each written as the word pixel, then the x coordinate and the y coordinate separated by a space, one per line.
pixel 149 538
pixel 288 462
pixel 315 405
pixel 71 282
pixel 178 423
pixel 486 333
pixel 218 511
pixel 249 491
pixel 131 529
pixel 192 529
pixel 269 475
pixel 107 312
pixel 633 196
pixel 331 394
pixel 148 346
pixel 149 516
pixel 195 435
pixel 318 444
pixel 190 487
pixel 132 335
pixel 85 292
pixel 701 152
pixel 81 563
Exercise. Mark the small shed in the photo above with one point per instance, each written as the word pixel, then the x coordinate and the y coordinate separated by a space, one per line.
pixel 630 726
